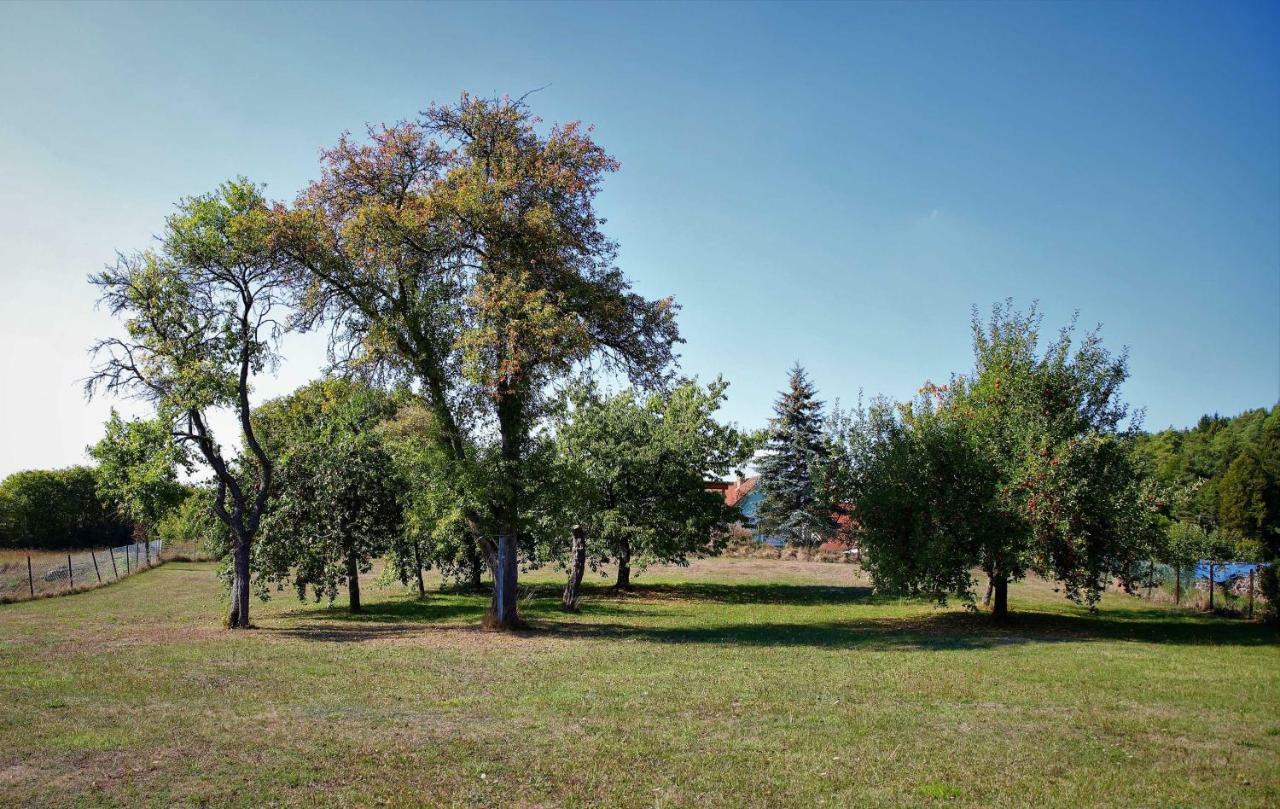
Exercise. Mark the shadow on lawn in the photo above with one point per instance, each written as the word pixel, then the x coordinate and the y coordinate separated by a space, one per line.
pixel 624 615
pixel 945 631
pixel 804 595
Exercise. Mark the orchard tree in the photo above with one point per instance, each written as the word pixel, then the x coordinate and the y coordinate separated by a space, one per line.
pixel 199 316
pixel 439 494
pixel 791 505
pixel 138 464
pixel 337 509
pixel 463 251
pixel 632 477
pixel 1033 440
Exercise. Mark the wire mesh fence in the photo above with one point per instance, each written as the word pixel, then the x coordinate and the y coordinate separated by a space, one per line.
pixel 46 573
pixel 1228 587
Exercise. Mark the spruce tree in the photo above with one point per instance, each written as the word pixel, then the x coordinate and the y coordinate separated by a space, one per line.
pixel 791 507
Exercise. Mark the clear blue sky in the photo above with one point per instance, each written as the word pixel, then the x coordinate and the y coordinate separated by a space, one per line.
pixel 835 184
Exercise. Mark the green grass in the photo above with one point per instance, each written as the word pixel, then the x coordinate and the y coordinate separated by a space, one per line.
pixel 733 683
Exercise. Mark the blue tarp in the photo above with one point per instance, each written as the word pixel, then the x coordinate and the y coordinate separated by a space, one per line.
pixel 1224 570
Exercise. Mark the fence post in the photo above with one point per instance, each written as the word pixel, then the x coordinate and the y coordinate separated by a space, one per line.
pixel 147 547
pixel 126 561
pixel 115 571
pixel 1211 587
pixel 1251 572
pixel 71 579
pixel 31 582
pixel 96 572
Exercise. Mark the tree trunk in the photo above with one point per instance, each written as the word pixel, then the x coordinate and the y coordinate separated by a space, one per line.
pixel 624 567
pixel 1177 585
pixel 474 566
pixel 986 599
pixel 1211 587
pixel 578 554
pixel 417 561
pixel 353 582
pixel 1000 607
pixel 239 615
pixel 503 612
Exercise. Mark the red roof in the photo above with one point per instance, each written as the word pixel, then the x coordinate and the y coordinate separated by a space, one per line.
pixel 739 489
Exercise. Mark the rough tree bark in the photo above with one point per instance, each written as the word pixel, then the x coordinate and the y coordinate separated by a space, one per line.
pixel 417 560
pixel 624 566
pixel 353 582
pixel 577 566
pixel 1000 606
pixel 238 618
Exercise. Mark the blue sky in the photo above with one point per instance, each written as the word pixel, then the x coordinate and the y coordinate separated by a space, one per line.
pixel 834 184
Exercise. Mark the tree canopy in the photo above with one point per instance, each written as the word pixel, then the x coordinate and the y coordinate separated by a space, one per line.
pixel 1021 465
pixel 199 316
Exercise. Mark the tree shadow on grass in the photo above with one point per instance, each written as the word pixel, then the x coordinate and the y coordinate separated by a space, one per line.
pixel 804 595
pixel 399 611
pixel 940 631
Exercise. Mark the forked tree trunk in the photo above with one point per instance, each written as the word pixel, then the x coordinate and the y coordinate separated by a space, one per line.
pixel 239 615
pixel 577 566
pixel 624 566
pixel 353 582
pixel 1000 606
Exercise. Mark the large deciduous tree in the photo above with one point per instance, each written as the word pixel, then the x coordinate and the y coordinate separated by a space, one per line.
pixel 1022 465
pixel 464 251
pixel 199 317
pixel 791 505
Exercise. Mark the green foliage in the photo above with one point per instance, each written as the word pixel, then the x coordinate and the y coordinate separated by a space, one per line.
pixel 199 325
pixel 1199 459
pixel 463 251
pixel 193 523
pixel 1021 465
pixel 632 473
pixel 336 493
pixel 52 509
pixel 1226 472
pixel 793 505
pixel 927 501
pixel 137 469
pixel 337 509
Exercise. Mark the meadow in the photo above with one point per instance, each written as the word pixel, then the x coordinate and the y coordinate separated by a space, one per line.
pixel 734 682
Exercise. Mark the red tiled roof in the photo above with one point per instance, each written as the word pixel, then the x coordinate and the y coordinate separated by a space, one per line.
pixel 739 489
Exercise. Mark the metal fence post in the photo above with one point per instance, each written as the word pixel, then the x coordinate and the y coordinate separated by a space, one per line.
pixel 147 547
pixel 115 571
pixel 126 561
pixel 71 579
pixel 31 582
pixel 96 572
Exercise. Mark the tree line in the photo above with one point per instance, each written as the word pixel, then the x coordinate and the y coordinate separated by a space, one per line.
pixel 473 306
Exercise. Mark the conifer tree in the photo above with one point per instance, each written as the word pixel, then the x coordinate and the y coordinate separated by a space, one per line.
pixel 791 506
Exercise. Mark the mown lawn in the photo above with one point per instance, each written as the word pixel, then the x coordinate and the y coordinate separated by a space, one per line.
pixel 733 683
